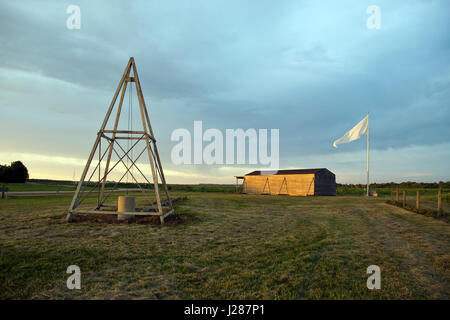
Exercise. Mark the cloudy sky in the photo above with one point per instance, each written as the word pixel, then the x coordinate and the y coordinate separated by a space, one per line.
pixel 311 69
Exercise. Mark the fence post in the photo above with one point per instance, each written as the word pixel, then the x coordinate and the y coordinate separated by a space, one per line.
pixel 4 191
pixel 396 195
pixel 418 200
pixel 439 202
pixel 404 198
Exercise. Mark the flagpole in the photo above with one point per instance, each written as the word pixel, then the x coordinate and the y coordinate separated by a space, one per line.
pixel 368 130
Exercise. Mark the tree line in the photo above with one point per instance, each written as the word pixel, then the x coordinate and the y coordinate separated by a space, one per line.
pixel 407 184
pixel 16 172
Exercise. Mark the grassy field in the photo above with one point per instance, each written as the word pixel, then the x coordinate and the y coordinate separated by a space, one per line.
pixel 24 187
pixel 230 247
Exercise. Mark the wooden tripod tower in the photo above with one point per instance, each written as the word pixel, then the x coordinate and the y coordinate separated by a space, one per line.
pixel 112 137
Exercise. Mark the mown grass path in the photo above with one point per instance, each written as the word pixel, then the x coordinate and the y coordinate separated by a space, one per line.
pixel 231 247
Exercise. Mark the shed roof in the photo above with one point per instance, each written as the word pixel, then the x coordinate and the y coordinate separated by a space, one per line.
pixel 283 172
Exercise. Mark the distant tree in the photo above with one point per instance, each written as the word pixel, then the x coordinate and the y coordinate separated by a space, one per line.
pixel 19 172
pixel 15 172
pixel 407 184
pixel 3 173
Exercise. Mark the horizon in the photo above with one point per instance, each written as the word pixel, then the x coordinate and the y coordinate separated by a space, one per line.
pixel 233 184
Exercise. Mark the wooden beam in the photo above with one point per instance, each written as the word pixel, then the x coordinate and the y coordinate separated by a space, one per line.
pixel 111 146
pixel 404 198
pixel 91 155
pixel 148 213
pixel 439 208
pixel 152 164
pixel 158 160
pixel 418 200
pixel 125 131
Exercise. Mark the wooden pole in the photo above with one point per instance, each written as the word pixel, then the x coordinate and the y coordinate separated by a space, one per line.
pixel 439 202
pixel 155 148
pixel 418 200
pixel 368 129
pixel 404 198
pixel 97 140
pixel 153 165
pixel 396 195
pixel 114 131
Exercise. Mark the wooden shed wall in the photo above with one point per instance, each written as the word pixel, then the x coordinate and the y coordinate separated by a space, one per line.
pixel 325 184
pixel 297 184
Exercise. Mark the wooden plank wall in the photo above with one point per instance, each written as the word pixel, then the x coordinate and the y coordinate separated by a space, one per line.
pixel 325 185
pixel 297 184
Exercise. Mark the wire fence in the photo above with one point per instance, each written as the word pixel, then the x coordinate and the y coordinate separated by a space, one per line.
pixel 434 202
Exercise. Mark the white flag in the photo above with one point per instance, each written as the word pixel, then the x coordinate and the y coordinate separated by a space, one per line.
pixel 360 129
